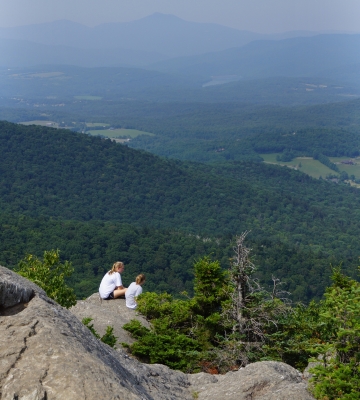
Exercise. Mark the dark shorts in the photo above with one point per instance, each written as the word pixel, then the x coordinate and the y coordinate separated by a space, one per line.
pixel 110 297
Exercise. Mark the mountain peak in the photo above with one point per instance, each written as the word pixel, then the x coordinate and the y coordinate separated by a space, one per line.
pixel 163 17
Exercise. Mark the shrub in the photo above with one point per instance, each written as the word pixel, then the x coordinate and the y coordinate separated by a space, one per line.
pixel 109 338
pixel 49 273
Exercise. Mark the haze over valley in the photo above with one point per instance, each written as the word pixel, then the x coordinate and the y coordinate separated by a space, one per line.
pixel 214 148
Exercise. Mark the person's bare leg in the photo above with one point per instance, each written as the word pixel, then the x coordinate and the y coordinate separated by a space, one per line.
pixel 119 292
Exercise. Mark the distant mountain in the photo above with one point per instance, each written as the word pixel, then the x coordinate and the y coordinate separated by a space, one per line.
pixel 157 33
pixel 294 57
pixel 23 53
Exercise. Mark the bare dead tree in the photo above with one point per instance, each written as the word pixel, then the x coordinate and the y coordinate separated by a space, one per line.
pixel 277 293
pixel 250 310
pixel 242 290
pixel 240 272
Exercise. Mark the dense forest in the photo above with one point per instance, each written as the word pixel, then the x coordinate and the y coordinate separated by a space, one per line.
pixel 61 174
pixel 98 201
pixel 165 256
pixel 208 132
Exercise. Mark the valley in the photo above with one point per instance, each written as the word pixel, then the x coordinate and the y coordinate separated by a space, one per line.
pixel 221 163
pixel 214 129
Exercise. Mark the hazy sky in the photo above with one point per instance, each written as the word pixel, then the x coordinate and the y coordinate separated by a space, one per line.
pixel 265 16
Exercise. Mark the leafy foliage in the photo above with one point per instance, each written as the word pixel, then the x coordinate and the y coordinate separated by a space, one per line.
pixel 168 342
pixel 339 374
pixel 166 257
pixel 197 333
pixel 108 338
pixel 209 286
pixel 173 349
pixel 329 332
pixel 181 330
pixel 231 321
pixel 49 273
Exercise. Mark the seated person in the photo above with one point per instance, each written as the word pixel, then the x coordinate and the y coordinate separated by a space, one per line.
pixel 134 290
pixel 111 286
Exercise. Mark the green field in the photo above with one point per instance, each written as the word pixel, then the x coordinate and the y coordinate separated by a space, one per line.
pixel 314 168
pixel 307 165
pixel 350 169
pixel 110 133
pixel 115 133
pixel 50 124
pixel 96 124
pixel 88 97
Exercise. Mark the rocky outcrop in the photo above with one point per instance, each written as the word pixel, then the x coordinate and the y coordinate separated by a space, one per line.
pixel 108 313
pixel 46 353
pixel 266 380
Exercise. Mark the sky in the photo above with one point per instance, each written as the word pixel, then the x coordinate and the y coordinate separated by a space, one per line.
pixel 263 16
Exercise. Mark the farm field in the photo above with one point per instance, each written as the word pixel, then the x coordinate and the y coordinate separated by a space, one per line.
pixel 110 133
pixel 350 169
pixel 96 124
pixel 314 168
pixel 115 133
pixel 49 124
pixel 307 165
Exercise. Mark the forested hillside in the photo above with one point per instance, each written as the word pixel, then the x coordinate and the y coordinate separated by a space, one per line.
pixel 210 132
pixel 73 176
pixel 79 193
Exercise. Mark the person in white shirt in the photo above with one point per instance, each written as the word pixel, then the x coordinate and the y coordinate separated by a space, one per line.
pixel 134 290
pixel 111 286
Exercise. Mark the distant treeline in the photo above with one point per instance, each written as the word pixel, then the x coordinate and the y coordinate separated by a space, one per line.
pixel 214 132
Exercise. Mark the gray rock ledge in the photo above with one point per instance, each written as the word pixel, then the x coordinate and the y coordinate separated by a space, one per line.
pixel 46 353
pixel 108 313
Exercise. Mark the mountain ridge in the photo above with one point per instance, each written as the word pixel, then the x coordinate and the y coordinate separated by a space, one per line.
pixel 159 33
pixel 260 59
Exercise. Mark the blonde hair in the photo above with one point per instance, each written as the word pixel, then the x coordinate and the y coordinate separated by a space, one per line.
pixel 140 279
pixel 115 265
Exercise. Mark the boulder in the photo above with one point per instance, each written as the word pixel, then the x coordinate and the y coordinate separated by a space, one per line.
pixel 46 353
pixel 108 313
pixel 265 380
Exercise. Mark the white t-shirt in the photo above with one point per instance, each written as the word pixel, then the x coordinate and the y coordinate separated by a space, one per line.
pixel 109 283
pixel 133 291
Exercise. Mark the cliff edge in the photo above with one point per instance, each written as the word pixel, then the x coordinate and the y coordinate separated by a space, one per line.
pixel 46 353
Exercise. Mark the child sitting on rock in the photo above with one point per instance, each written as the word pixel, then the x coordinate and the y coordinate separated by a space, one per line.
pixel 134 290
